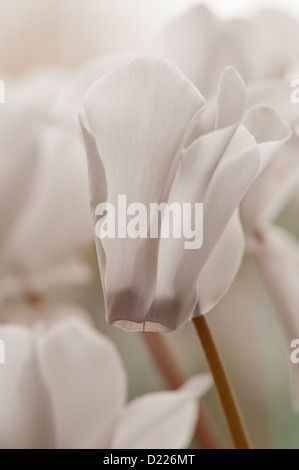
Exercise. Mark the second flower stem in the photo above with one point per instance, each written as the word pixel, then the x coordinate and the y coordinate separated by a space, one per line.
pixel 225 391
pixel 168 365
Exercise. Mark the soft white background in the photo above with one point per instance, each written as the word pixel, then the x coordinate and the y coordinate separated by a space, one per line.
pixel 229 8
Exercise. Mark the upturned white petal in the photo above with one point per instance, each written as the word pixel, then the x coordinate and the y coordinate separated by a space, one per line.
pixel 247 155
pixel 241 162
pixel 231 98
pixel 161 420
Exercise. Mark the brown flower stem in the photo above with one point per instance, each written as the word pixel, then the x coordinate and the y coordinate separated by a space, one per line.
pixel 175 378
pixel 225 391
pixel 163 357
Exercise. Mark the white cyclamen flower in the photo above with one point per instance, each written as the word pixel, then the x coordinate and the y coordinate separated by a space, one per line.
pixel 43 191
pixel 142 128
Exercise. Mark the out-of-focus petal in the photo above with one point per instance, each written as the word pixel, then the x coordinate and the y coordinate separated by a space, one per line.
pixel 83 30
pixel 72 271
pixel 25 412
pixel 56 221
pixel 162 420
pixel 27 103
pixel 40 315
pixel 275 93
pixel 280 34
pixel 276 184
pixel 201 45
pixel 86 383
pixel 33 42
pixel 273 188
pixel 43 194
pixel 277 256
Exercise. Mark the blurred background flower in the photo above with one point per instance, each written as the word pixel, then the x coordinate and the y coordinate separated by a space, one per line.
pixel 65 387
pixel 46 231
pixel 68 32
